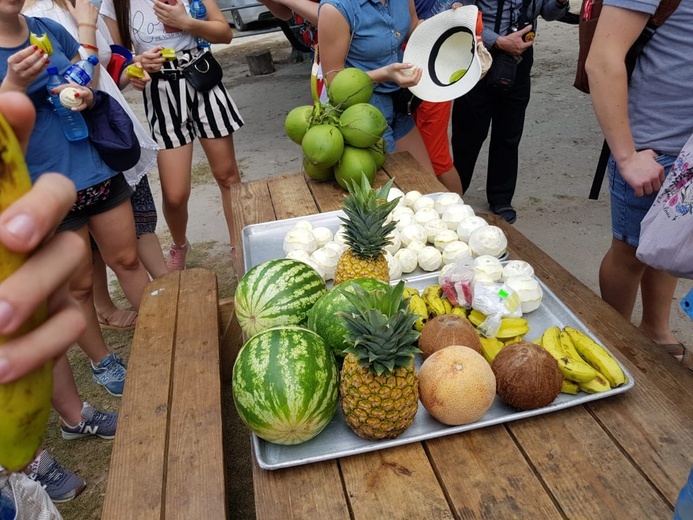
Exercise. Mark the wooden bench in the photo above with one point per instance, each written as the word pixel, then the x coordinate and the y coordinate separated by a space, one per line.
pixel 168 458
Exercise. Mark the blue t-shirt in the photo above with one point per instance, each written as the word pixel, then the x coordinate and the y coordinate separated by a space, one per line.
pixel 378 32
pixel 660 100
pixel 49 150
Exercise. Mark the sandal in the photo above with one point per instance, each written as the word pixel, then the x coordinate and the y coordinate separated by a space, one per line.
pixel 673 349
pixel 687 360
pixel 118 319
pixel 506 212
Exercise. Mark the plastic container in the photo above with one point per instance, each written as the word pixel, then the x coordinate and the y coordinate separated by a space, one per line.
pixel 72 122
pixel 684 504
pixel 82 71
pixel 199 12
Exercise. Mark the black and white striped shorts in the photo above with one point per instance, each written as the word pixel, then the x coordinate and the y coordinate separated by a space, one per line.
pixel 177 113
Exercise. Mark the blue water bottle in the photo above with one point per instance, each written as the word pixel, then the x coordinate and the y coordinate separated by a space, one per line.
pixel 72 122
pixel 82 71
pixel 199 12
pixel 684 505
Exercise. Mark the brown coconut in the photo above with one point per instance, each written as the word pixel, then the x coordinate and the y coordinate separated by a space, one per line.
pixel 445 330
pixel 527 377
pixel 456 385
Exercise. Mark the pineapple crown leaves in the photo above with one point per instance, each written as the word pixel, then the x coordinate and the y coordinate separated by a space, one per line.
pixel 366 210
pixel 381 329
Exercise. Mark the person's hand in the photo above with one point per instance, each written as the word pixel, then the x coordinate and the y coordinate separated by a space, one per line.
pixel 140 83
pixel 642 172
pixel 172 15
pixel 84 93
pixel 24 67
pixel 404 74
pixel 28 225
pixel 513 43
pixel 84 12
pixel 152 60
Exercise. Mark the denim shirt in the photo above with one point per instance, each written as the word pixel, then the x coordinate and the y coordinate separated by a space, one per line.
pixel 378 33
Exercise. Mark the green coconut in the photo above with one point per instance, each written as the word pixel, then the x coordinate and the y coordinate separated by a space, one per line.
pixel 379 153
pixel 323 145
pixel 297 122
pixel 362 125
pixel 316 173
pixel 348 87
pixel 354 163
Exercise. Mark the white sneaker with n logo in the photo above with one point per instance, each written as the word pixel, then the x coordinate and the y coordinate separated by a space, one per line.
pixel 101 424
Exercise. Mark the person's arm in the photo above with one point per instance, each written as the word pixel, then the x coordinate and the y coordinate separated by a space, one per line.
pixel 606 69
pixel 86 17
pixel 27 225
pixel 335 37
pixel 215 29
pixel 415 21
pixel 554 9
pixel 284 9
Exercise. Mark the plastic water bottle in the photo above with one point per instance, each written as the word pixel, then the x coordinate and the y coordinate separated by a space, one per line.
pixel 684 504
pixel 73 123
pixel 199 12
pixel 82 71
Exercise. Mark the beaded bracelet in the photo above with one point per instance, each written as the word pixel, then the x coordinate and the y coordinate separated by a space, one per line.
pixel 90 47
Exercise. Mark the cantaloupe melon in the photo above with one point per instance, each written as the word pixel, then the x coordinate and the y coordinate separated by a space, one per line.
pixel 456 385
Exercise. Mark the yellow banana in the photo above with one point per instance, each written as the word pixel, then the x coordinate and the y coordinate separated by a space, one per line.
pixel 572 369
pixel 538 341
pixel 596 385
pixel 568 346
pixel 25 403
pixel 476 317
pixel 447 305
pixel 598 357
pixel 490 347
pixel 512 327
pixel 418 307
pixel 43 42
pixel 511 340
pixel 570 387
pixel 459 311
pixel 434 303
pixel 134 70
pixel 410 291
pixel 432 290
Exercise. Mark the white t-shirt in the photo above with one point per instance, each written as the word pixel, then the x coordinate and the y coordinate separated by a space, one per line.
pixel 146 30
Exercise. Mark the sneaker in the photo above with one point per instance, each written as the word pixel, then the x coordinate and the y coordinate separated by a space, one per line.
pixel 110 373
pixel 60 484
pixel 101 424
pixel 176 257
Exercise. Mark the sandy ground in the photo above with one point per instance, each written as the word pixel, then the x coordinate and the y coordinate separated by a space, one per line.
pixel 557 158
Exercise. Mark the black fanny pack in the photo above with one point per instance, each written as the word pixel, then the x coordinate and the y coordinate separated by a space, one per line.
pixel 404 102
pixel 203 73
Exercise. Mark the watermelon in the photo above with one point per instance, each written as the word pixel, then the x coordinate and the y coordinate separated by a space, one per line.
pixel 323 318
pixel 285 384
pixel 276 292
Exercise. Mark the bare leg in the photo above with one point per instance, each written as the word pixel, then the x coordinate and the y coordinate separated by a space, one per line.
pixel 91 340
pixel 657 289
pixel 150 254
pixel 221 155
pixel 451 180
pixel 110 316
pixel 114 232
pixel 174 173
pixel 413 143
pixel 66 400
pixel 619 277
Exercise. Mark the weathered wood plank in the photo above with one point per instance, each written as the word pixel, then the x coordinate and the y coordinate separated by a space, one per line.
pixel 410 175
pixel 376 481
pixel 486 476
pixel 251 205
pixel 138 460
pixel 230 338
pixel 300 493
pixel 328 195
pixel 291 196
pixel 195 485
pixel 588 476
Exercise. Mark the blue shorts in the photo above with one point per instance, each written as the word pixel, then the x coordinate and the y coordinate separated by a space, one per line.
pixel 627 210
pixel 398 125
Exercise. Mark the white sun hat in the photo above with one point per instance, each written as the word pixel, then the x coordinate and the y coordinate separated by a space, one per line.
pixel 444 46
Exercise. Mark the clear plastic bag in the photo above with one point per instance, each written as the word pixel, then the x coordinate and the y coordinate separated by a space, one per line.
pixel 457 283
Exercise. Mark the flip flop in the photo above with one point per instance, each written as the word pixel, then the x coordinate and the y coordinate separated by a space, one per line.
pixel 673 349
pixel 687 360
pixel 119 319
pixel 506 212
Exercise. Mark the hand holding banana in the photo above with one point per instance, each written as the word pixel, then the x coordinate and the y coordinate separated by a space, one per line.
pixel 38 319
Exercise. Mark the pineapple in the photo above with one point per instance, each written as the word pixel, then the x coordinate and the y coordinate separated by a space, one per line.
pixel 378 386
pixel 366 233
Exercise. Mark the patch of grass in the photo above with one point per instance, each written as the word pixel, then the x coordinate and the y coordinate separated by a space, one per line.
pixel 534 201
pixel 563 196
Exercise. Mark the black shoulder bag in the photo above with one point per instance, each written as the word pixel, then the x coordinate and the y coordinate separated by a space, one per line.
pixel 503 69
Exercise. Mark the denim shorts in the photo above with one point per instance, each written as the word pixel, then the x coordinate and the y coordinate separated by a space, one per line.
pixel 627 210
pixel 398 125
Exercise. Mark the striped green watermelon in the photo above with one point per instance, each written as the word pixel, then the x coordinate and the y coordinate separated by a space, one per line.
pixel 323 319
pixel 277 292
pixel 285 384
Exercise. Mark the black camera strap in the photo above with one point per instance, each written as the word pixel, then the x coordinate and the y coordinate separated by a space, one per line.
pixel 523 14
pixel 520 21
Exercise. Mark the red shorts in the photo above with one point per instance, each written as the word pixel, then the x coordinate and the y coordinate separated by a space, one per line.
pixel 432 120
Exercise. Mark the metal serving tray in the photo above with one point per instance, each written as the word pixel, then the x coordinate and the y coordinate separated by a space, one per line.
pixel 262 242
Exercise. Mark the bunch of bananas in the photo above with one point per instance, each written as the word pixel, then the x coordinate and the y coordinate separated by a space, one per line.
pixel 585 365
pixel 430 304
pixel 25 403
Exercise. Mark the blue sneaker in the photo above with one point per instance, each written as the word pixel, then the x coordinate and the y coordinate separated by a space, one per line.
pixel 101 424
pixel 110 373
pixel 60 484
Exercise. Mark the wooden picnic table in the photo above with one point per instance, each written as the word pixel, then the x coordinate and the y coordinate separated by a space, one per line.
pixel 626 456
